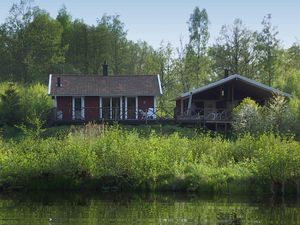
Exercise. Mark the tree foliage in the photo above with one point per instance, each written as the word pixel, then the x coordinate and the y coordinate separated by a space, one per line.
pixel 277 116
pixel 33 45
pixel 10 106
pixel 234 50
pixel 197 46
pixel 266 46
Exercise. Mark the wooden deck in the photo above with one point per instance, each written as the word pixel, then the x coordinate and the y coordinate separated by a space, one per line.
pixel 160 116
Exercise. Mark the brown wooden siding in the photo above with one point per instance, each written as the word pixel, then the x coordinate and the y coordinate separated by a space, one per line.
pixel 178 107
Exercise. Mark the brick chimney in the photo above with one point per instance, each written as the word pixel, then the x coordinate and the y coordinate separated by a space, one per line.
pixel 226 72
pixel 105 69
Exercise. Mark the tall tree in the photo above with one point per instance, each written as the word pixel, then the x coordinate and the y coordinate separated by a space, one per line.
pixel 20 16
pixel 234 49
pixel 118 41
pixel 267 44
pixel 6 59
pixel 180 67
pixel 198 38
pixel 33 42
pixel 43 45
pixel 98 48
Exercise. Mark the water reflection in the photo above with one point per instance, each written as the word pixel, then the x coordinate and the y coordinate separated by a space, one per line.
pixel 115 208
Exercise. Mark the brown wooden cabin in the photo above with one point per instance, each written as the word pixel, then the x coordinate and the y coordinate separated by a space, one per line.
pixel 104 98
pixel 214 102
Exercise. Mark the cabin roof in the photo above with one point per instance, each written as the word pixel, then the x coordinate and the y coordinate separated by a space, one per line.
pixel 99 85
pixel 231 78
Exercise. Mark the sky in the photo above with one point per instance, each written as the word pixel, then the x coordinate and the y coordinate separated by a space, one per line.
pixel 155 21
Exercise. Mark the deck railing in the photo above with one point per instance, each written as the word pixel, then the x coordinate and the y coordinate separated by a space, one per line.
pixel 159 113
pixel 205 114
pixel 113 114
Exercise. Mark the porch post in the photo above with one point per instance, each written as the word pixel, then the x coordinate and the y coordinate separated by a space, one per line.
pixel 154 107
pixel 190 104
pixel 126 110
pixel 121 108
pixel 100 108
pixel 82 108
pixel 181 107
pixel 110 108
pixel 136 107
pixel 73 108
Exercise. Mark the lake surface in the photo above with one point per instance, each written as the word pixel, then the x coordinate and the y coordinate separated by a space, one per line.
pixel 115 208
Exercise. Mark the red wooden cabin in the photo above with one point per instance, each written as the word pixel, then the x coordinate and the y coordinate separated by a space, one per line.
pixel 102 97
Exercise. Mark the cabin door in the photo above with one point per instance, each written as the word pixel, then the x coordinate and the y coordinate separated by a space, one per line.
pixel 131 108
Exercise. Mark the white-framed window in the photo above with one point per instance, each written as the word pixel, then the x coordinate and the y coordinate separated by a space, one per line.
pixel 78 108
pixel 131 107
pixel 111 108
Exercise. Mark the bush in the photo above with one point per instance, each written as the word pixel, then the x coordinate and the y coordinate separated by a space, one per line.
pixel 24 105
pixel 277 116
pixel 248 118
pixel 115 159
pixel 11 112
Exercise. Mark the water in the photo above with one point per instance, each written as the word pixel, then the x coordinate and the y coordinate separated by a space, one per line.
pixel 114 208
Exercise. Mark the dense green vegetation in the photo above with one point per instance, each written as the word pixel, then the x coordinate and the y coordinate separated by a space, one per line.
pixel 279 116
pixel 104 158
pixel 33 45
pixel 23 105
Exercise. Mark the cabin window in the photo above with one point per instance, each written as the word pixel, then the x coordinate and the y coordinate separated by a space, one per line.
pixel 78 108
pixel 221 105
pixel 115 108
pixel 131 108
pixel 199 108
pixel 106 113
pixel 185 105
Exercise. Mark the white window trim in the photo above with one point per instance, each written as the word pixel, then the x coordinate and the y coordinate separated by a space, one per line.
pixel 82 111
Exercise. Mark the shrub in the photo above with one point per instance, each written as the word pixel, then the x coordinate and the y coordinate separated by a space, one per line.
pixel 10 106
pixel 24 105
pixel 277 116
pixel 248 117
pixel 112 158
pixel 280 115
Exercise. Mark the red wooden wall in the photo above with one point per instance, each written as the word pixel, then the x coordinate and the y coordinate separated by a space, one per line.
pixel 145 102
pixel 64 104
pixel 91 104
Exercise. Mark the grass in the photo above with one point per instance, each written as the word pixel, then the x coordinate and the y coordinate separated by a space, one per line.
pixel 114 158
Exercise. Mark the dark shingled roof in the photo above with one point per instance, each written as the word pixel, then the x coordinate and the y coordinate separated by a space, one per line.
pixel 99 85
pixel 238 77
